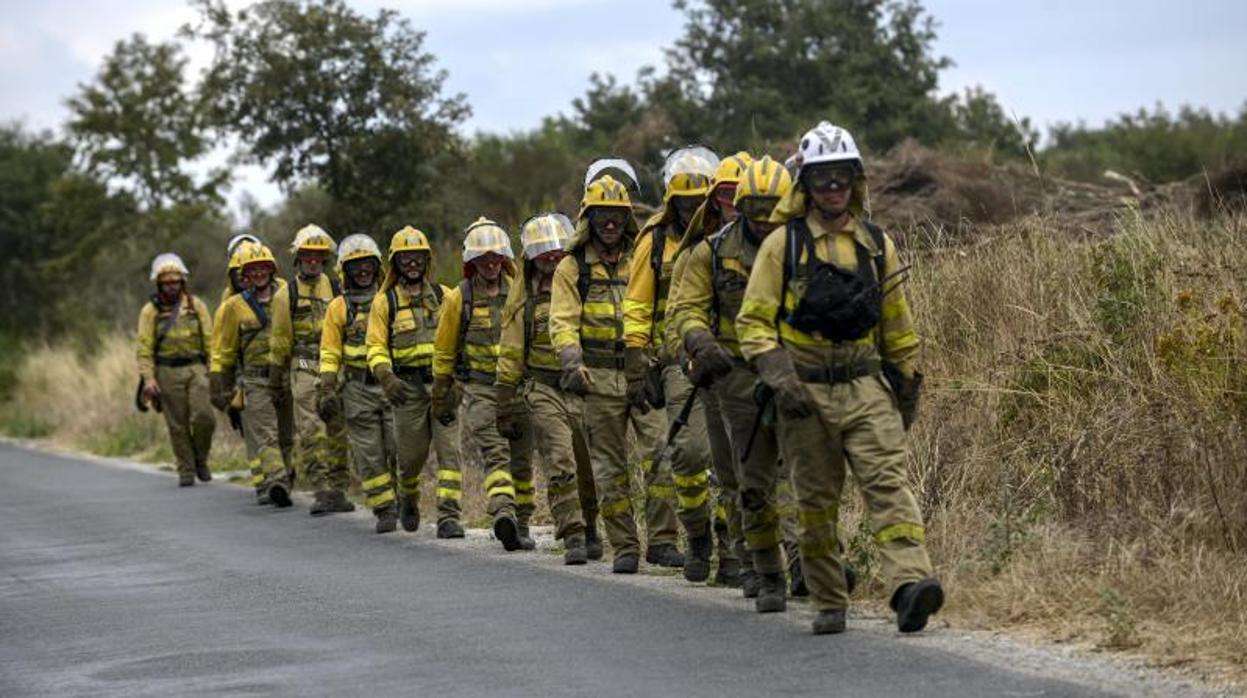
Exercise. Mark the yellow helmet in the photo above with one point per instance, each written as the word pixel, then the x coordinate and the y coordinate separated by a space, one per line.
pixel 408 240
pixel 314 239
pixel 357 246
pixel 545 232
pixel 168 263
pixel 485 236
pixel 764 178
pixel 254 253
pixel 606 191
pixel 688 170
pixel 731 170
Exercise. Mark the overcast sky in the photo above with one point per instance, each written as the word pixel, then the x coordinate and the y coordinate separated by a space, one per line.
pixel 520 60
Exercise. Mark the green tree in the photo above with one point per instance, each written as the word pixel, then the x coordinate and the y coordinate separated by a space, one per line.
pixel 328 96
pixel 139 127
pixel 982 123
pixel 765 70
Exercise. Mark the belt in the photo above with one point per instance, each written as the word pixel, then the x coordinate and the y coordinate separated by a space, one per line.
pixel 612 362
pixel 422 373
pixel 363 375
pixel 545 376
pixel 256 371
pixel 479 377
pixel 179 362
pixel 841 373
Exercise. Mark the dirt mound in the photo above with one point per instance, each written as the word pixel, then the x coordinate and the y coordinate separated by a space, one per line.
pixel 1222 191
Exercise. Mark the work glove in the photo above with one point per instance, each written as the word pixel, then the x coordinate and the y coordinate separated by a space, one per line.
pixel 710 361
pixel 776 369
pixel 637 373
pixel 220 390
pixel 508 426
pixel 278 383
pixel 395 389
pixel 576 379
pixel 906 390
pixel 328 403
pixel 445 400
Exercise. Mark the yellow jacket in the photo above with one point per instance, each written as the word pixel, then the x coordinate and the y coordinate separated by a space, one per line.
pixel 520 340
pixel 299 335
pixel 478 355
pixel 189 337
pixel 343 342
pixel 414 328
pixel 759 332
pixel 238 326
pixel 645 319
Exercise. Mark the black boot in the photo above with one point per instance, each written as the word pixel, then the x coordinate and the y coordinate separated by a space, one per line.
pixel 697 563
pixel 339 504
pixel 202 472
pixel 279 495
pixel 915 602
pixel 626 564
pixel 507 532
pixel 321 504
pixel 409 513
pixel 750 583
pixel 771 595
pixel 664 555
pixel 387 520
pixel 593 544
pixel 449 528
pixel 729 573
pixel 526 539
pixel 575 553
pixel 829 622
pixel 186 480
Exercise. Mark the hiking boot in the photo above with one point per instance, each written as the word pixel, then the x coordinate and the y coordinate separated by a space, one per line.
pixel 915 602
pixel 771 593
pixel 697 564
pixel 728 574
pixel 339 504
pixel 387 521
pixel 526 538
pixel 409 514
pixel 750 582
pixel 203 473
pixel 593 544
pixel 449 528
pixel 261 498
pixel 796 572
pixel 664 555
pixel 280 496
pixel 507 532
pixel 575 553
pixel 829 622
pixel 186 480
pixel 321 505
pixel 626 564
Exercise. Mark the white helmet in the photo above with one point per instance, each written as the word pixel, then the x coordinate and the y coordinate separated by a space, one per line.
pixel 688 171
pixel 312 237
pixel 237 240
pixel 168 263
pixel 483 237
pixel 545 232
pixel 826 143
pixel 617 168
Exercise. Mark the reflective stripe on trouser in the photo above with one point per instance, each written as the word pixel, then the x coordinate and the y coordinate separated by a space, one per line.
pixel 855 424
pixel 260 431
pixel 690 457
pixel 416 434
pixel 606 420
pixel 320 449
pixel 481 420
pixel 370 430
pixel 188 414
pixel 727 522
pixel 757 477
pixel 554 420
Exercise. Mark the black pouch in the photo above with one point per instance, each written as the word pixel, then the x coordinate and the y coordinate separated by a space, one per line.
pixel 654 393
pixel 839 305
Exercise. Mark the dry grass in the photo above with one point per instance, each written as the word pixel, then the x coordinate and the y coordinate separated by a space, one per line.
pixel 1081 456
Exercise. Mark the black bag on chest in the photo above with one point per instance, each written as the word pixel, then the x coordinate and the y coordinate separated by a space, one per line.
pixel 838 304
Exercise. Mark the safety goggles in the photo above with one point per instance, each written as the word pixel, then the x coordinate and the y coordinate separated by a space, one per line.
pixel 602 217
pixel 757 208
pixel 838 178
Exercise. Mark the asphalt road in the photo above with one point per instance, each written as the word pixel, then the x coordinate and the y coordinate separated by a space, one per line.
pixel 115 582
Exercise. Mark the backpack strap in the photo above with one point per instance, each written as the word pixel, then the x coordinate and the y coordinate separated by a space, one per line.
pixel 465 319
pixel 334 286
pixel 658 240
pixel 391 297
pixel 716 265
pixel 881 260
pixel 293 285
pixel 530 311
pixel 583 273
